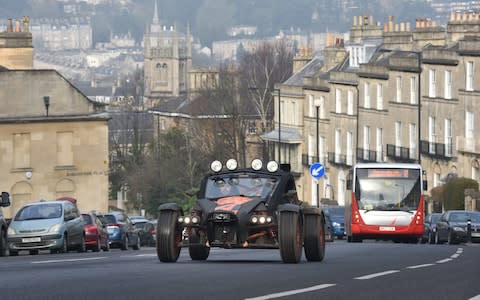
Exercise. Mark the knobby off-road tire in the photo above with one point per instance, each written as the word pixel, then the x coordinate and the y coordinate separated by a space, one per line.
pixel 314 239
pixel 168 236
pixel 290 234
pixel 197 252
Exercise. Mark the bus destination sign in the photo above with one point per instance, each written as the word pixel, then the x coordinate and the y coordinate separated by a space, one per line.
pixel 388 173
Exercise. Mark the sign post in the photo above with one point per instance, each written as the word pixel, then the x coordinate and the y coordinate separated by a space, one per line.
pixel 317 170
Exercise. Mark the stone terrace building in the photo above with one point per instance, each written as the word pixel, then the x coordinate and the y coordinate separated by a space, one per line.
pixel 399 96
pixel 53 139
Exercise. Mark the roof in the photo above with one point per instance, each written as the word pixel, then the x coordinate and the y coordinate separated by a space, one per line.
pixel 310 69
pixel 287 135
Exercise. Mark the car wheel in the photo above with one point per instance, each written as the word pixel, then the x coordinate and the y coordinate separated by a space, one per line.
pixel 314 243
pixel 97 247
pixel 13 253
pixel 451 238
pixel 65 244
pixel 125 242
pixel 3 243
pixel 197 252
pixel 169 236
pixel 137 244
pixel 431 238
pixel 437 238
pixel 82 247
pixel 290 237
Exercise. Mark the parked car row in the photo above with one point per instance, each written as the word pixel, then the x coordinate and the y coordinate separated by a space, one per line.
pixel 452 227
pixel 59 227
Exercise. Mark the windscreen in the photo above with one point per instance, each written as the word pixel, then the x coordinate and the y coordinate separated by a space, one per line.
pixel 87 219
pixel 240 185
pixel 388 189
pixel 37 212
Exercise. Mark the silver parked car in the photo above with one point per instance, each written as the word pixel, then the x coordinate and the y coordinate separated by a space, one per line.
pixel 53 225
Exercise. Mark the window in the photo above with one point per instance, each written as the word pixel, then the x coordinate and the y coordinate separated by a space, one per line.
pixel 379 145
pixel 338 145
pixel 338 101
pixel 469 76
pixel 413 140
pixel 398 138
pixel 436 179
pixel 367 95
pixel 21 150
pixel 379 96
pixel 413 90
pixel 431 135
pixel 64 149
pixel 350 102
pixel 432 83
pixel 366 142
pixel 322 149
pixel 469 126
pixel 349 148
pixel 311 149
pixel 322 107
pixel 399 89
pixel 448 84
pixel 311 107
pixel 448 137
pixel 475 172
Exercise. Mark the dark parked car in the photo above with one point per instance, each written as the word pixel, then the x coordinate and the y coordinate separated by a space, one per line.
pixel 453 226
pixel 96 235
pixel 248 208
pixel 329 235
pixel 146 231
pixel 337 215
pixel 430 228
pixel 4 202
pixel 121 232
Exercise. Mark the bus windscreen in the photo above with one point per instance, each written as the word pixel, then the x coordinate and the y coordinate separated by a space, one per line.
pixel 388 189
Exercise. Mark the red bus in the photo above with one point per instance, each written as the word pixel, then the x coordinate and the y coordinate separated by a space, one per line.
pixel 387 202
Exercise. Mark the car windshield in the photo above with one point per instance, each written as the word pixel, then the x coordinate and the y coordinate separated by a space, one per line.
pixel 459 217
pixel 108 219
pixel 475 217
pixel 39 211
pixel 87 219
pixel 435 218
pixel 336 211
pixel 243 185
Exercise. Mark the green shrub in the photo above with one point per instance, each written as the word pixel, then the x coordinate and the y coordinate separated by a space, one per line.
pixel 454 197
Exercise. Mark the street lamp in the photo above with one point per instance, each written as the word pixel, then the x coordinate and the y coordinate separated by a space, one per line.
pixel 317 102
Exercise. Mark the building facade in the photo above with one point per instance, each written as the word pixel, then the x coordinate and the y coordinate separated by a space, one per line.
pixel 54 140
pixel 404 95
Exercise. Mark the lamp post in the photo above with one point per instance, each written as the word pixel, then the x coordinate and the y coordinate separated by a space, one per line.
pixel 317 104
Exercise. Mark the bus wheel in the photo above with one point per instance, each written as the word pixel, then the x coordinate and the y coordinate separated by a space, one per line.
pixel 314 240
pixel 290 237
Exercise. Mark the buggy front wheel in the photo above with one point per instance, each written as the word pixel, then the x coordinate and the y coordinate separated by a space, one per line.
pixel 290 236
pixel 168 236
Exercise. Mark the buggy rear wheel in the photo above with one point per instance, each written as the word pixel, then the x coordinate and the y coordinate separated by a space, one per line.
pixel 314 240
pixel 168 236
pixel 290 236
pixel 197 252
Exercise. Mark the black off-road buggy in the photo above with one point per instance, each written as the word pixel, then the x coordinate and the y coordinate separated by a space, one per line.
pixel 250 208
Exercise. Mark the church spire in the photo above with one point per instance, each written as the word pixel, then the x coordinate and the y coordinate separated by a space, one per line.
pixel 155 14
pixel 156 27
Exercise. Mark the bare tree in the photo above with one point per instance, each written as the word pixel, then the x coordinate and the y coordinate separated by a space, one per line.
pixel 260 70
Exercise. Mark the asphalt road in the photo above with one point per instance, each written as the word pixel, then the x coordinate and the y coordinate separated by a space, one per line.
pixel 369 270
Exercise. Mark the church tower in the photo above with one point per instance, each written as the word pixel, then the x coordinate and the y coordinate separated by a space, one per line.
pixel 167 60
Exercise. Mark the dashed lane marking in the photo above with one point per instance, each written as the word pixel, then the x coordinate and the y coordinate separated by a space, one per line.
pixel 67 260
pixel 420 266
pixel 477 297
pixel 443 260
pixel 292 292
pixel 370 276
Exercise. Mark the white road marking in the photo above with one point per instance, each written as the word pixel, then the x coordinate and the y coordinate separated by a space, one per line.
pixel 292 292
pixel 377 274
pixel 67 260
pixel 420 266
pixel 443 260
pixel 477 297
pixel 455 255
pixel 460 250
